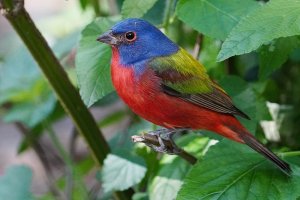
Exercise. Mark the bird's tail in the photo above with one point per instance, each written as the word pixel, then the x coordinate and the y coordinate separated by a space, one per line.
pixel 260 148
pixel 233 130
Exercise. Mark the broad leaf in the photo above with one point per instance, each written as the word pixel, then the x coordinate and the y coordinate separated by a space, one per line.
pixel 22 84
pixel 169 180
pixel 173 169
pixel 32 112
pixel 123 168
pixel 119 173
pixel 93 62
pixel 136 8
pixel 214 18
pixel 272 56
pixel 278 18
pixel 18 76
pixel 233 171
pixel 15 183
pixel 156 14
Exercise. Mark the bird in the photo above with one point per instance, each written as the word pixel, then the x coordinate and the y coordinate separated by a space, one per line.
pixel 162 83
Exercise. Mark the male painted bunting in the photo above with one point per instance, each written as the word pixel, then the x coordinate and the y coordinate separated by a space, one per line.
pixel 164 84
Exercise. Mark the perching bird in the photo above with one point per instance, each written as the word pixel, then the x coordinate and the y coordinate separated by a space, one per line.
pixel 165 85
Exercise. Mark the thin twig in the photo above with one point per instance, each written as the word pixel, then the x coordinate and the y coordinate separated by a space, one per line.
pixel 198 45
pixel 72 146
pixel 66 158
pixel 38 149
pixel 168 11
pixel 152 140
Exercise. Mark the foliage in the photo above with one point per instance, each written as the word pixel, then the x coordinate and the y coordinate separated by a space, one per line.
pixel 247 175
pixel 15 183
pixel 267 31
pixel 90 63
pixel 276 19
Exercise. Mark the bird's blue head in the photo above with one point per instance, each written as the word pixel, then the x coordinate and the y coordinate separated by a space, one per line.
pixel 138 41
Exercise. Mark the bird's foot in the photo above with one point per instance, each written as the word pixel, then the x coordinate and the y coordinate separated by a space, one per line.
pixel 165 140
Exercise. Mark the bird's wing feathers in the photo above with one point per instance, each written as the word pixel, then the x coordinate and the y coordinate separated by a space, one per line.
pixel 184 77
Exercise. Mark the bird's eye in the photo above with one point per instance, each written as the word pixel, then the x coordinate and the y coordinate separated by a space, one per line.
pixel 130 36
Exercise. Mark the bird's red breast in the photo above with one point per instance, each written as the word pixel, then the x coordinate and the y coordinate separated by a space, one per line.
pixel 144 96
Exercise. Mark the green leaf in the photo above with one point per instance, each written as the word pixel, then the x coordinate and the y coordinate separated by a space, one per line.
pixel 119 173
pixel 272 56
pixel 173 169
pixel 123 168
pixel 18 76
pixel 15 183
pixel 136 8
pixel 156 14
pixel 278 18
pixel 93 62
pixel 214 18
pixel 233 171
pixel 169 180
pixel 34 111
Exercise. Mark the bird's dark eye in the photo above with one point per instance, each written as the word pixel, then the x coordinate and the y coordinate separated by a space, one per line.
pixel 130 36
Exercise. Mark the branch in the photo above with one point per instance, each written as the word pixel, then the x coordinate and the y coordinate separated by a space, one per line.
pixel 39 150
pixel 198 45
pixel 66 93
pixel 152 140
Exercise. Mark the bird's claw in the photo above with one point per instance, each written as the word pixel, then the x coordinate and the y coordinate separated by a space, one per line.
pixel 164 137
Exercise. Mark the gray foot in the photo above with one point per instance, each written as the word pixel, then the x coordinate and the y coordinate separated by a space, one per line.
pixel 166 142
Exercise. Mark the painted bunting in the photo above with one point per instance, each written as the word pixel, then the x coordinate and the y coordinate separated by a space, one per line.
pixel 165 85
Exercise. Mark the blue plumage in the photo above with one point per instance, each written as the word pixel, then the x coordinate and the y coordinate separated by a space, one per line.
pixel 144 47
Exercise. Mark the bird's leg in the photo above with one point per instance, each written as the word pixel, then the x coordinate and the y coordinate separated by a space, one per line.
pixel 165 138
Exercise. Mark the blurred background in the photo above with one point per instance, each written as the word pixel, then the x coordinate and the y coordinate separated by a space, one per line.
pixel 27 103
pixel 35 132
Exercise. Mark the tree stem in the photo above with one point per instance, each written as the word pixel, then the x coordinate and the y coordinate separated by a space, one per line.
pixel 66 93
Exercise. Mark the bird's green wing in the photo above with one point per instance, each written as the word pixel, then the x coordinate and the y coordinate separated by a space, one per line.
pixel 184 77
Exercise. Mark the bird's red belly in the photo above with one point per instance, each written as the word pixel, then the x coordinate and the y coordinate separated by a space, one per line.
pixel 144 97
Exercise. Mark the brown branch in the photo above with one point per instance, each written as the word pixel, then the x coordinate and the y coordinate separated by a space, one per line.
pixel 152 140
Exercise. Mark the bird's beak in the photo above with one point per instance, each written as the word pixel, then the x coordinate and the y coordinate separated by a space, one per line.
pixel 108 38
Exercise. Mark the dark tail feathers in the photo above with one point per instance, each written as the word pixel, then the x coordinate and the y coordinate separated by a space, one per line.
pixel 257 146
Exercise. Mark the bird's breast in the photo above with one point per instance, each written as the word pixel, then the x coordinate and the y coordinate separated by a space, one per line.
pixel 141 92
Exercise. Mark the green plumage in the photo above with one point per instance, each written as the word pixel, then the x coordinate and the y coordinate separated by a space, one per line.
pixel 184 77
pixel 183 73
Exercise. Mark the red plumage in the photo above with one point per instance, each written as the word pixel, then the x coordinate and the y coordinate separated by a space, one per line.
pixel 144 96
